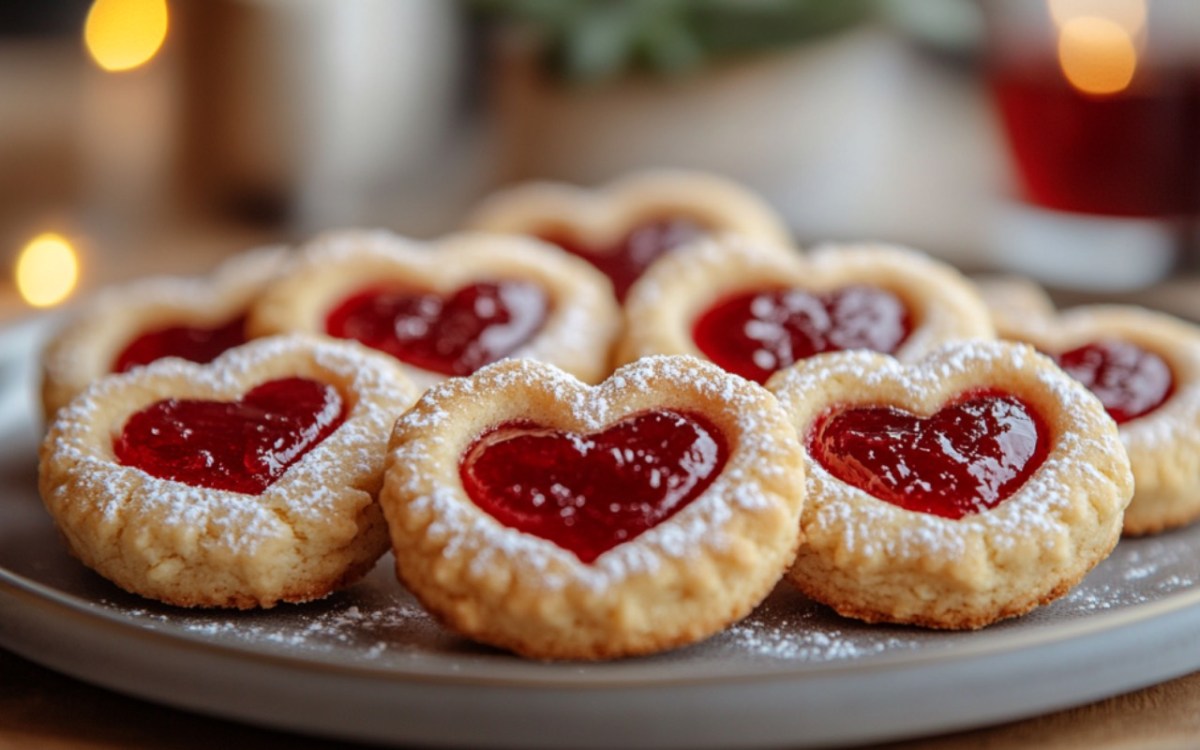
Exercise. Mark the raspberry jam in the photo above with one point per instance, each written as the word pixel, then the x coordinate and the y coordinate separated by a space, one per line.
pixel 589 493
pixel 456 335
pixel 756 333
pixel 967 458
pixel 186 342
pixel 1129 380
pixel 625 261
pixel 240 446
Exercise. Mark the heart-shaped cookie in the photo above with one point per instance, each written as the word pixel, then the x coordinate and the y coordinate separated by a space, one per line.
pixel 754 309
pixel 448 307
pixel 536 513
pixel 970 486
pixel 1145 368
pixel 244 482
pixel 128 326
pixel 622 227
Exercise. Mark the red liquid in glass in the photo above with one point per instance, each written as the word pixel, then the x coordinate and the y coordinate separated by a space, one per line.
pixel 187 342
pixel 967 458
pixel 240 446
pixel 589 493
pixel 756 333
pixel 1128 380
pixel 1134 153
pixel 456 335
pixel 625 262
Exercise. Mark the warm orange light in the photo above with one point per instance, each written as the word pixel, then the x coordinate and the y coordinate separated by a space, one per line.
pixel 1097 55
pixel 47 270
pixel 123 34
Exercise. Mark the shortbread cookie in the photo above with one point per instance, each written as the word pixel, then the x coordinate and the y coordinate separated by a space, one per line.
pixel 134 324
pixel 244 482
pixel 448 307
pixel 625 225
pixel 563 521
pixel 753 310
pixel 969 487
pixel 1145 368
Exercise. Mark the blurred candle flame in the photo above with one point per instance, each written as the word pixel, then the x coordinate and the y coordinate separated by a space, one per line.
pixel 1098 42
pixel 123 34
pixel 47 270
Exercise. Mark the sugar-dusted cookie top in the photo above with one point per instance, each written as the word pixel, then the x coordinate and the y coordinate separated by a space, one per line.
pixel 625 225
pixel 447 307
pixel 130 325
pixel 1145 368
pixel 534 512
pixel 243 482
pixel 754 309
pixel 969 486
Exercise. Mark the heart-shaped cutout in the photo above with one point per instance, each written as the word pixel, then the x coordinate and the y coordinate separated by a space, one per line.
pixel 193 343
pixel 240 446
pixel 627 259
pixel 453 335
pixel 1129 380
pixel 754 334
pixel 589 493
pixel 967 458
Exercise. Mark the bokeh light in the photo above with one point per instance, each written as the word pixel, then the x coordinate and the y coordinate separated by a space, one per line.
pixel 123 34
pixel 47 270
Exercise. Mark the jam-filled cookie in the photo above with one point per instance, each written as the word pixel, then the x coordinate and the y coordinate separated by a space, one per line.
pixel 754 310
pixel 969 487
pixel 244 482
pixel 625 225
pixel 1145 368
pixel 448 307
pixel 562 521
pixel 131 325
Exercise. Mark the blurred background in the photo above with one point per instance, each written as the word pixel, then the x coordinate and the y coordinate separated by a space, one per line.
pixel 1054 138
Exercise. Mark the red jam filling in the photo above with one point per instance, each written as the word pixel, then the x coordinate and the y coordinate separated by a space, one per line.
pixel 756 333
pixel 186 342
pixel 456 335
pixel 625 261
pixel 1129 380
pixel 589 493
pixel 240 446
pixel 967 458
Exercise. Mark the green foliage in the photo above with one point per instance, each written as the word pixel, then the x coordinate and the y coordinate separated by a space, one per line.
pixel 590 40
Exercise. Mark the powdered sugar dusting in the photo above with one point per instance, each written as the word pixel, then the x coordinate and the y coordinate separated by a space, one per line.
pixel 793 640
pixel 73 358
pixel 121 494
pixel 581 322
pixel 370 631
pixel 464 530
pixel 377 621
pixel 1041 509
pixel 942 304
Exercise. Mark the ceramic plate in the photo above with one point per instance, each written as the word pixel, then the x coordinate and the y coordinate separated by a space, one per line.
pixel 370 664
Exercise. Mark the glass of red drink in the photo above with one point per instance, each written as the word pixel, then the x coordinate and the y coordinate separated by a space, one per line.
pixel 1100 103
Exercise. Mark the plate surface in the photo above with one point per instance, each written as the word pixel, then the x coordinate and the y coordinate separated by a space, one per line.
pixel 370 664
